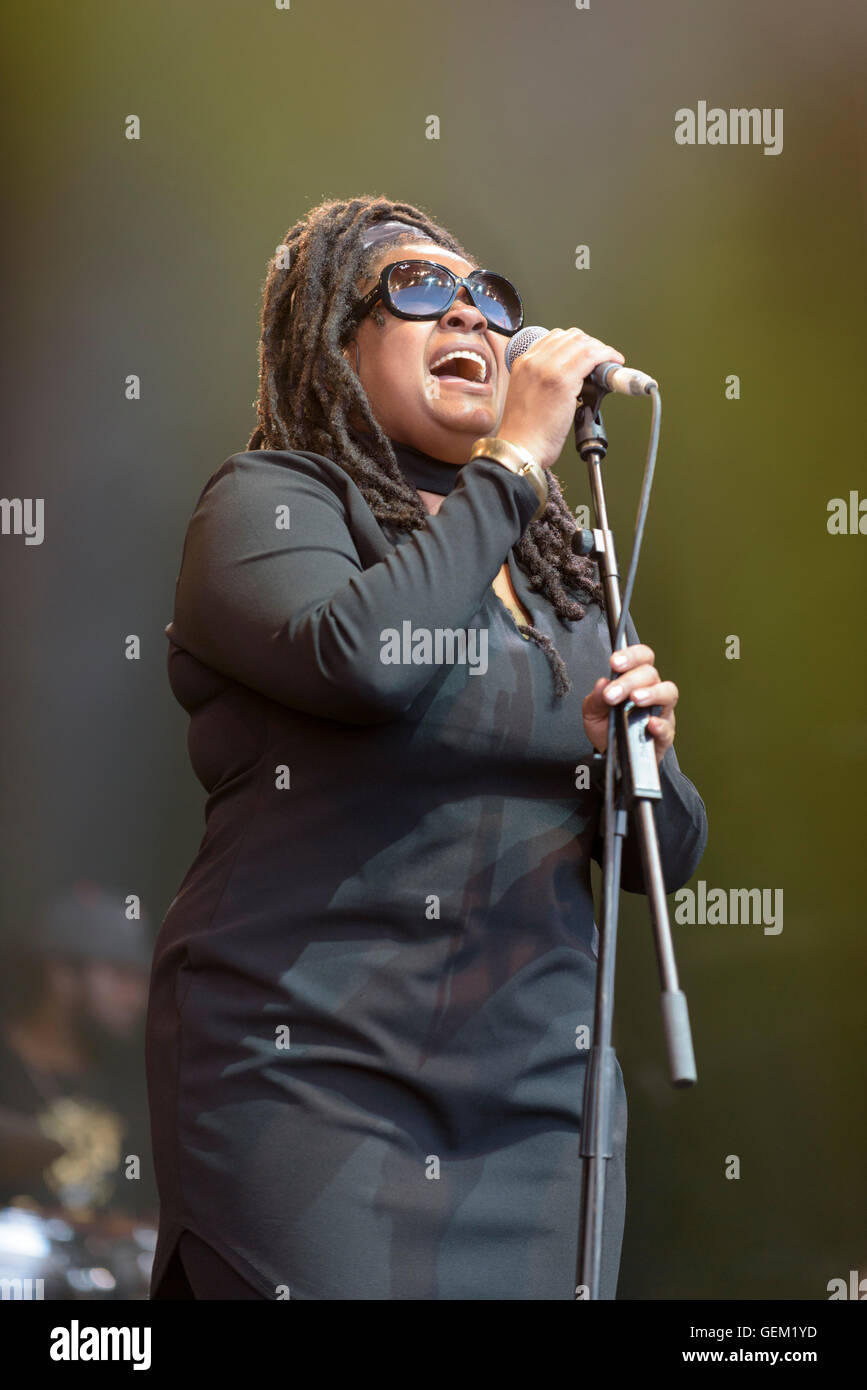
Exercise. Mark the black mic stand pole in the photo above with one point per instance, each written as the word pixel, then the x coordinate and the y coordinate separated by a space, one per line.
pixel 637 787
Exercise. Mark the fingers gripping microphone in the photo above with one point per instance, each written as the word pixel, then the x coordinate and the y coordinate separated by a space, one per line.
pixel 608 376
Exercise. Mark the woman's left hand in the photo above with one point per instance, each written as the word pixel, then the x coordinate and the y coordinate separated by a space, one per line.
pixel 635 678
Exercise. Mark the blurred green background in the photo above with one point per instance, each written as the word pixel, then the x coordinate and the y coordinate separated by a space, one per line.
pixel 557 129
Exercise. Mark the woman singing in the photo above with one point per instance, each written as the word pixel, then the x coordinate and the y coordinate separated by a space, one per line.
pixel 362 1063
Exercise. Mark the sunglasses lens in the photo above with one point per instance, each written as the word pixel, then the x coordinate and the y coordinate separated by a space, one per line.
pixel 416 288
pixel 498 300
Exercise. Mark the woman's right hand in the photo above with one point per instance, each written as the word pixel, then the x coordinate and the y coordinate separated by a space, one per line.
pixel 545 383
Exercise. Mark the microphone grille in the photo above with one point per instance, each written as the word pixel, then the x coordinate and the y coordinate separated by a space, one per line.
pixel 522 341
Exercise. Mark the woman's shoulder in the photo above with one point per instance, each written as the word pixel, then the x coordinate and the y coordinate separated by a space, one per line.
pixel 283 468
pixel 255 478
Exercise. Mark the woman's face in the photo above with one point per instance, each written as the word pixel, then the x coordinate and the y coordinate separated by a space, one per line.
pixel 440 416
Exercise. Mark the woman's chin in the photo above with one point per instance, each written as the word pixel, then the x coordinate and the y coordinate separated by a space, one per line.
pixel 464 411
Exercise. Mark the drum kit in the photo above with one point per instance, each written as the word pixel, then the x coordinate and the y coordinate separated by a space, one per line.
pixel 55 1253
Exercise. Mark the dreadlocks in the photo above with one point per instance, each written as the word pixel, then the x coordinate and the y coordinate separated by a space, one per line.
pixel 309 394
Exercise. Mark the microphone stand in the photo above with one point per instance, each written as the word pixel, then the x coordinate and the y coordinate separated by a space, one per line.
pixel 633 763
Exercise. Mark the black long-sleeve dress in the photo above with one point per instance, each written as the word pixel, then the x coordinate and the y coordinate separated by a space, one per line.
pixel 362 1064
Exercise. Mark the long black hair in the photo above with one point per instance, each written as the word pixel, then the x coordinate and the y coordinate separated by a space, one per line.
pixel 309 394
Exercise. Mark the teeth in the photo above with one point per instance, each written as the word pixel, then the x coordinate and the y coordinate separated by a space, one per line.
pixel 463 352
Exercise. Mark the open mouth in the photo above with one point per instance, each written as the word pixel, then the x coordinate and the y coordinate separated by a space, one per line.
pixel 463 368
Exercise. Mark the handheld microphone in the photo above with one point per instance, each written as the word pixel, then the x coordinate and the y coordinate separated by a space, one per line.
pixel 609 376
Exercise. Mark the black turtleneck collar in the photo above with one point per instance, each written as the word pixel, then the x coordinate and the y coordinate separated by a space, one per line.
pixel 422 470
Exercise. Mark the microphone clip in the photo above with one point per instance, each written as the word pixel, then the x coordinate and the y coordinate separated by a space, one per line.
pixel 590 437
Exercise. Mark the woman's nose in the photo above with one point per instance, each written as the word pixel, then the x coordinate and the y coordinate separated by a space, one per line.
pixel 463 310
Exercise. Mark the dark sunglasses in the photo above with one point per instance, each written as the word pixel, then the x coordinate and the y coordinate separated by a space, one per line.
pixel 424 290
